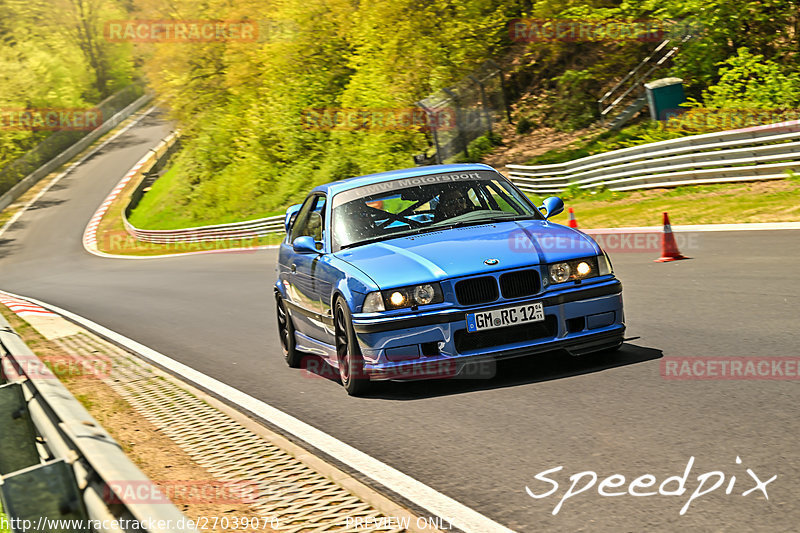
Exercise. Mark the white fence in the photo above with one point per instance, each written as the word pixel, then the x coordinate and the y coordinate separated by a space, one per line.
pixel 749 154
pixel 219 232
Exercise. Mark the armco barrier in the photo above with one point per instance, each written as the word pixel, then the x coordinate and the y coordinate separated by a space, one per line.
pixel 108 124
pixel 748 154
pixel 237 230
pixel 57 462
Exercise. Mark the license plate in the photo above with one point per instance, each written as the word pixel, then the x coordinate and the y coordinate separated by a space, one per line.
pixel 508 316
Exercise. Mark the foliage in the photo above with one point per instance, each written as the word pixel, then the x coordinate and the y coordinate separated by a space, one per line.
pixel 749 81
pixel 52 55
pixel 479 148
pixel 722 27
pixel 524 125
pixel 572 103
pixel 242 106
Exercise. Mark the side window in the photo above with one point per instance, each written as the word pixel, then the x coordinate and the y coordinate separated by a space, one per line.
pixel 310 219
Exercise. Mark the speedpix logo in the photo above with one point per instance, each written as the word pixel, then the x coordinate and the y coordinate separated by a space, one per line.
pixel 646 485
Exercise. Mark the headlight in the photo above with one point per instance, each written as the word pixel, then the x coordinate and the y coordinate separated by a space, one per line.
pixel 398 299
pixel 424 294
pixel 578 269
pixel 403 297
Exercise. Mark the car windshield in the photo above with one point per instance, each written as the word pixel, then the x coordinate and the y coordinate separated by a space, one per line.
pixel 427 203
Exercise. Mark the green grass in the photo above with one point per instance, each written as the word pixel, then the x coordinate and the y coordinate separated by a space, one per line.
pixel 162 208
pixel 114 239
pixel 3 519
pixel 772 201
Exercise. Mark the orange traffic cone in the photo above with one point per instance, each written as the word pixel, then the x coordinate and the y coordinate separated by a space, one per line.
pixel 572 222
pixel 669 248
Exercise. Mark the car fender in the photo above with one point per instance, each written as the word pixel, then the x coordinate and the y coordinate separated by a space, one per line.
pixel 353 286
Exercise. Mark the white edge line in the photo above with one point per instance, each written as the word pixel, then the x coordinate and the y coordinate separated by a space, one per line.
pixel 90 231
pixel 457 514
pixel 69 169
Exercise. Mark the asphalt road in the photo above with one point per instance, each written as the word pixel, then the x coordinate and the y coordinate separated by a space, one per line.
pixel 482 441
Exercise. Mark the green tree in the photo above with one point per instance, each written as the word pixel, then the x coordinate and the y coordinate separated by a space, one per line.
pixel 747 80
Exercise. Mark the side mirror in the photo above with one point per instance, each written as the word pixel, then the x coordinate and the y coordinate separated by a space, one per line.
pixel 552 205
pixel 291 214
pixel 305 245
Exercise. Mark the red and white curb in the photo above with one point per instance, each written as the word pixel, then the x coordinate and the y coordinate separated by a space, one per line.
pixel 23 307
pixel 90 233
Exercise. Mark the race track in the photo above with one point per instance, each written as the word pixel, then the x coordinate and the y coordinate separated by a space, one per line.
pixel 480 441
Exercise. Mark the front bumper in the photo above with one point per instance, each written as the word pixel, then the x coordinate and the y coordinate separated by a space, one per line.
pixel 580 320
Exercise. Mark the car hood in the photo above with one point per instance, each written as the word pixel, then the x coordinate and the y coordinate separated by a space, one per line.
pixel 466 251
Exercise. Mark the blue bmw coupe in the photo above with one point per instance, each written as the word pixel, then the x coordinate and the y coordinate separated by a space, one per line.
pixel 422 272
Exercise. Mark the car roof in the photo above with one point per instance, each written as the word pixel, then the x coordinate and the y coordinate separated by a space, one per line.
pixel 336 187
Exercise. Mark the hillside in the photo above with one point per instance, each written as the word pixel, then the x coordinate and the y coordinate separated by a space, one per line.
pixel 246 152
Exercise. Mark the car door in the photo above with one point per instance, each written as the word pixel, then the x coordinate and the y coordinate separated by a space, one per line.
pixel 304 288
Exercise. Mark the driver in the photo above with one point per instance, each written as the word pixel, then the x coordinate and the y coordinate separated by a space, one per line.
pixel 452 203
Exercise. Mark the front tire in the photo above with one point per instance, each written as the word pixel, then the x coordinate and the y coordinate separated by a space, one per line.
pixel 286 334
pixel 348 352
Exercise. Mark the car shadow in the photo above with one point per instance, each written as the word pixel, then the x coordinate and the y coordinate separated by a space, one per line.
pixel 44 204
pixel 520 371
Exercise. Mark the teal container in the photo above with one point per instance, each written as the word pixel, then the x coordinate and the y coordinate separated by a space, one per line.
pixel 665 96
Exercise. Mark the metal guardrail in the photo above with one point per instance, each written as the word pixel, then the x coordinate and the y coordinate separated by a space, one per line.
pixel 33 178
pixel 220 232
pixel 57 463
pixel 233 231
pixel 749 154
